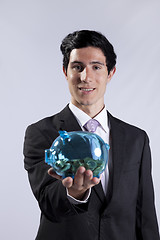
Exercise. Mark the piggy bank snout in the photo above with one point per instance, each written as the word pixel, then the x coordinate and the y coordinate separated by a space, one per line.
pixel 49 156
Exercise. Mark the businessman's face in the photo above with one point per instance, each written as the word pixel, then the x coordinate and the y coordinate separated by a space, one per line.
pixel 87 77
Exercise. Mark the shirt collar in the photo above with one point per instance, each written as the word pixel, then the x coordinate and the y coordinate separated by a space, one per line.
pixel 82 117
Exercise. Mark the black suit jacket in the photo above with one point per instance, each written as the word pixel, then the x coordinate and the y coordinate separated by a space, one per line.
pixel 127 214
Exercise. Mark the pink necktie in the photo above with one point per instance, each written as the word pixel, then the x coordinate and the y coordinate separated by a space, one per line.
pixel 91 125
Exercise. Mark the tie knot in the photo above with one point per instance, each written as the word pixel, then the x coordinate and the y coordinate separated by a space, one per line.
pixel 91 125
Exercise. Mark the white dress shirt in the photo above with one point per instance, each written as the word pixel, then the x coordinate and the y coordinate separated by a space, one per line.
pixel 103 131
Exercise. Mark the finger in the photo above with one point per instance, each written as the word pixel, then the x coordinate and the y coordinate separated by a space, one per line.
pixel 95 180
pixel 88 174
pixel 53 174
pixel 89 180
pixel 79 178
pixel 67 182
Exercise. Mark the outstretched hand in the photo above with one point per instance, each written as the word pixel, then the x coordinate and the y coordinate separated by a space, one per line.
pixel 83 180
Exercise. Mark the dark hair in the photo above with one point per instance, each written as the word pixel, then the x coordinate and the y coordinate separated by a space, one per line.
pixel 87 38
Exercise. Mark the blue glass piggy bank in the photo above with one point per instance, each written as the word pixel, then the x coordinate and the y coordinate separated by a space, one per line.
pixel 71 150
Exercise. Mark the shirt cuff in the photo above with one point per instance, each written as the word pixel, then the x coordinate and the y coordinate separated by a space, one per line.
pixel 76 201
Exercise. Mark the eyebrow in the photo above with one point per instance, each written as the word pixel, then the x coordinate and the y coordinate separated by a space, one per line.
pixel 76 62
pixel 97 62
pixel 93 62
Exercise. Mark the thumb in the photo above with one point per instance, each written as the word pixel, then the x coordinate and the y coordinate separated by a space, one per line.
pixel 52 173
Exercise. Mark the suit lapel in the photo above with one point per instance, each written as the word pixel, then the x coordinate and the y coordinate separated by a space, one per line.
pixel 100 193
pixel 117 147
pixel 66 121
pixel 117 143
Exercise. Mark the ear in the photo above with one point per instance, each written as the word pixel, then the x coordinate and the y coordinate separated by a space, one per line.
pixel 112 72
pixel 65 73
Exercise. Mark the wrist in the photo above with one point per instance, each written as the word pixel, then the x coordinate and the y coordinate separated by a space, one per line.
pixel 79 195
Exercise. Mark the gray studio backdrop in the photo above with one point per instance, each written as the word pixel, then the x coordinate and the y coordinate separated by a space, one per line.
pixel 32 84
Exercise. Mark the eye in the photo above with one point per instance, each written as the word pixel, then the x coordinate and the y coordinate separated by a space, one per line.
pixel 78 68
pixel 96 67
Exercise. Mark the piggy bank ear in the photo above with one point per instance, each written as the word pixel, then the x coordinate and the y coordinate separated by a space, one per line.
pixel 107 146
pixel 64 135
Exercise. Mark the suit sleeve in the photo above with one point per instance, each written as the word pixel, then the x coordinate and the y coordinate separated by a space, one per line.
pixel 147 227
pixel 49 192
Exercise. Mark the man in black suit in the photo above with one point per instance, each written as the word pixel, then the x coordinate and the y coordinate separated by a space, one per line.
pixel 120 204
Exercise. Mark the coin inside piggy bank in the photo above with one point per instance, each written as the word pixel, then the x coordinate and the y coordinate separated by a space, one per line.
pixel 71 150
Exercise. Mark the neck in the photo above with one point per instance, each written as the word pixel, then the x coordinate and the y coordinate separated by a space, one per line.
pixel 90 110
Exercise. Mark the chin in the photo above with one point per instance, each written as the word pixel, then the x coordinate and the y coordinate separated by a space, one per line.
pixel 85 103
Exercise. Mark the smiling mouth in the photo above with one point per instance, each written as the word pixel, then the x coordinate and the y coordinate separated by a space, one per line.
pixel 87 89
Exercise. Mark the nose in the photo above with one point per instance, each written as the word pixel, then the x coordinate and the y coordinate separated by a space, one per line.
pixel 85 75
